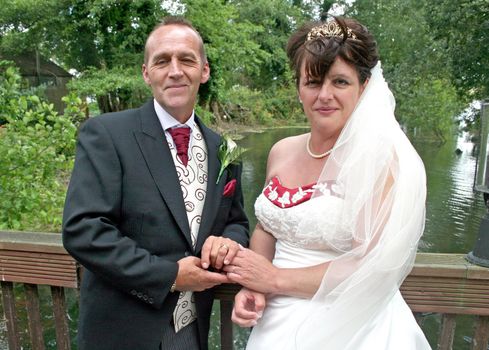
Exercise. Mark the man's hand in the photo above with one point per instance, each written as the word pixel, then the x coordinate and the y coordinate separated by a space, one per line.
pixel 248 307
pixel 218 251
pixel 192 277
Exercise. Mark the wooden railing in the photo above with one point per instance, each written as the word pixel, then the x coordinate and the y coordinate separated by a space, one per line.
pixel 444 284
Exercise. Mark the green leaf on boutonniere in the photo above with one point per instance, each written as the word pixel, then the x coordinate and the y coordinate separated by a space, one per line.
pixel 228 153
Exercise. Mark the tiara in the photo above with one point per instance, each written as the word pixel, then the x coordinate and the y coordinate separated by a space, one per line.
pixel 328 30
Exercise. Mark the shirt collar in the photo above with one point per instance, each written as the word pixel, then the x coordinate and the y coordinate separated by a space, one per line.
pixel 168 122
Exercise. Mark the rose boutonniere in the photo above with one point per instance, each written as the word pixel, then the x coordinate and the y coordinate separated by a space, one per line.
pixel 228 153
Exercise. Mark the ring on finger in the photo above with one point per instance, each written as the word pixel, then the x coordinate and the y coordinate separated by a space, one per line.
pixel 224 246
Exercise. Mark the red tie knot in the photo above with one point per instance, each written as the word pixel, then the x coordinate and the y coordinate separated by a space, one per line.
pixel 181 138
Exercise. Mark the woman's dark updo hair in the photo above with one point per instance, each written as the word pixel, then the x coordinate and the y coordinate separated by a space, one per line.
pixel 356 46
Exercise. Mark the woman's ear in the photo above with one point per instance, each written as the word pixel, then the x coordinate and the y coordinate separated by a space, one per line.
pixel 364 85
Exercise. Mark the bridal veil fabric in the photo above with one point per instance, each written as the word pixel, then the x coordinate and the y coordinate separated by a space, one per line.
pixel 383 184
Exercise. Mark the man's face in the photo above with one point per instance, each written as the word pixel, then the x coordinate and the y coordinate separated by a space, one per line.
pixel 175 69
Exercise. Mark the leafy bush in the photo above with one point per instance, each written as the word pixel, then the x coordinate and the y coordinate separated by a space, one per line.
pixel 36 153
pixel 272 107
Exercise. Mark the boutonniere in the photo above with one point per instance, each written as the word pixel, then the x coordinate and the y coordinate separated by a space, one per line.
pixel 228 153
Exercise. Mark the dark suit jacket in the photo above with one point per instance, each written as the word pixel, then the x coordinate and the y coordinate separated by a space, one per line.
pixel 125 222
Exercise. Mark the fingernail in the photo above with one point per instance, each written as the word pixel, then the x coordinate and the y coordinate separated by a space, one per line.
pixel 254 323
pixel 205 265
pixel 226 262
pixel 240 247
pixel 260 314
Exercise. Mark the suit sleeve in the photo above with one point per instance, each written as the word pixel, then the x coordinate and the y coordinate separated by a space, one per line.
pixel 91 216
pixel 237 226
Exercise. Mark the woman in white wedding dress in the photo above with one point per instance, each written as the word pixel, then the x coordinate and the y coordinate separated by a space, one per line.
pixel 342 212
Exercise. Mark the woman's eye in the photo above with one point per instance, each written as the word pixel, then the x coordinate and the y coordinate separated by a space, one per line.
pixel 312 82
pixel 341 82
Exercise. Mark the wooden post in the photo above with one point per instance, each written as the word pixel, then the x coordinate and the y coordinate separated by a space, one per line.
pixel 226 325
pixel 60 320
pixel 481 333
pixel 34 316
pixel 445 339
pixel 8 300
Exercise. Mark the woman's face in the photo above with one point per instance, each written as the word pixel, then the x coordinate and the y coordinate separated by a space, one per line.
pixel 329 103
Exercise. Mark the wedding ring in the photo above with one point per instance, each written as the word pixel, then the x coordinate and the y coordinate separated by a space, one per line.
pixel 224 246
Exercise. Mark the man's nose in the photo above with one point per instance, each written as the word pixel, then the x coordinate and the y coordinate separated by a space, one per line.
pixel 175 68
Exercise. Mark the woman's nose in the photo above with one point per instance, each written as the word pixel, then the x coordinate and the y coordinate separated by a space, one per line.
pixel 326 91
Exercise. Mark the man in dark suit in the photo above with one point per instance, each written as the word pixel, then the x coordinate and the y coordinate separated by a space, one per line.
pixel 149 220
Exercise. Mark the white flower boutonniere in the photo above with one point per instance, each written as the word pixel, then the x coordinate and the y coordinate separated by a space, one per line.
pixel 228 153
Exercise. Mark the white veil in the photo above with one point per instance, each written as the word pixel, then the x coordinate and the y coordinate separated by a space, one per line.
pixel 384 187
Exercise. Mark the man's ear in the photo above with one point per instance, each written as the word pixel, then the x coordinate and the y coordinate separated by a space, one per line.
pixel 206 73
pixel 144 72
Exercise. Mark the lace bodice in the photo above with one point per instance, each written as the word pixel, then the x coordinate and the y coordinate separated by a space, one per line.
pixel 316 223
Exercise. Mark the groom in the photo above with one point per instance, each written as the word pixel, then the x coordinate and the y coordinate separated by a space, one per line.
pixel 145 212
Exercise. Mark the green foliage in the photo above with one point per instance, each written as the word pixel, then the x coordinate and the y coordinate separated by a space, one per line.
pixel 413 64
pixel 252 106
pixel 229 44
pixel 278 19
pixel 437 116
pixel 84 35
pixel 114 89
pixel 36 152
pixel 462 27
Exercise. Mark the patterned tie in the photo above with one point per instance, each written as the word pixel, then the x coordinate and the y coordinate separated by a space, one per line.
pixel 181 137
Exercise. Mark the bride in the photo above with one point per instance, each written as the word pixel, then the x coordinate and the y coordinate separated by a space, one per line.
pixel 342 211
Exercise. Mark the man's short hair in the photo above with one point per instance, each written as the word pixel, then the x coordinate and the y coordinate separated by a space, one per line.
pixel 179 21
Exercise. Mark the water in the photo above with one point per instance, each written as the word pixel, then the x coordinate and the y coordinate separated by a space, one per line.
pixel 453 210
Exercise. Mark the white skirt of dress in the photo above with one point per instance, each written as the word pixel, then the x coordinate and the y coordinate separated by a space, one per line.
pixel 394 328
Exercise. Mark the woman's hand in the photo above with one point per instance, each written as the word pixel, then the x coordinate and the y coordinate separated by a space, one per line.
pixel 253 271
pixel 248 307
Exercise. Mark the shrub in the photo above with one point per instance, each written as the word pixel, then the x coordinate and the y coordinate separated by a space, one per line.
pixel 36 154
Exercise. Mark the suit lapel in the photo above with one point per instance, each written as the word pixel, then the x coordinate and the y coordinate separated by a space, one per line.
pixel 214 192
pixel 153 145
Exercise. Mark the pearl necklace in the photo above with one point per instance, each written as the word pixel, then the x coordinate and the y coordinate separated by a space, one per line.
pixel 314 155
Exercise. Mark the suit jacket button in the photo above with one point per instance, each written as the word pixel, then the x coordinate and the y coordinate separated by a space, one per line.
pixel 140 295
pixel 150 300
pixel 145 297
pixel 133 292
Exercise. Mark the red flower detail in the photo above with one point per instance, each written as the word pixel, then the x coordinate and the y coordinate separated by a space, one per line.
pixel 229 188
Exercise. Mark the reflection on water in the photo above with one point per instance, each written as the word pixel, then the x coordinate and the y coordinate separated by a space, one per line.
pixel 453 210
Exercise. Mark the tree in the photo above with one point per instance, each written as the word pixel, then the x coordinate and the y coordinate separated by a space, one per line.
pixel 230 47
pixel 36 150
pixel 106 35
pixel 462 28
pixel 413 64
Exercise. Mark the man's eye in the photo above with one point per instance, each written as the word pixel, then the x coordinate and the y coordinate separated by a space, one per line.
pixel 161 61
pixel 187 60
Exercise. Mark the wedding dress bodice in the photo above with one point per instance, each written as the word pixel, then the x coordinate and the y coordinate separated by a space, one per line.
pixel 293 217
